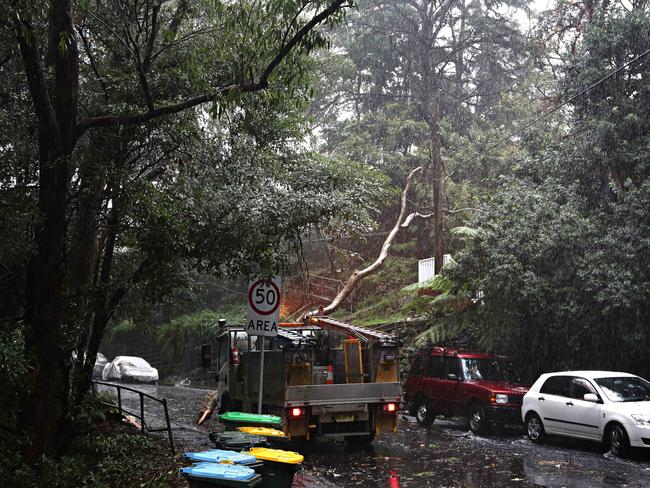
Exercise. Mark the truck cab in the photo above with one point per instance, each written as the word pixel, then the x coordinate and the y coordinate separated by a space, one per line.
pixel 323 377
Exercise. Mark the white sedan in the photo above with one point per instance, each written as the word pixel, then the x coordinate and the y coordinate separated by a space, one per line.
pixel 130 368
pixel 602 406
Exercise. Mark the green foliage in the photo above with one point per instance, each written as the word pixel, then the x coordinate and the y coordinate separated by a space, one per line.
pixel 554 270
pixel 170 340
pixel 565 285
pixel 172 337
pixel 99 459
pixel 123 328
pixel 160 140
pixel 13 369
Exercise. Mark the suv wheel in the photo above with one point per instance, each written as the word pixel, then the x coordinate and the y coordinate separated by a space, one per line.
pixel 477 422
pixel 423 414
pixel 619 443
pixel 534 428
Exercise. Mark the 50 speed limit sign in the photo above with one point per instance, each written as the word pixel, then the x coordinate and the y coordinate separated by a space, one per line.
pixel 263 307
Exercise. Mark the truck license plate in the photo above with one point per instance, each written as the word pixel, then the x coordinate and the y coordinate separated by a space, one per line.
pixel 344 418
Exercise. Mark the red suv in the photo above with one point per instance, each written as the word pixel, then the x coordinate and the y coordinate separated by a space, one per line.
pixel 450 382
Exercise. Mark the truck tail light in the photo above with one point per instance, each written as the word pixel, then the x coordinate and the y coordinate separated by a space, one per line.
pixel 296 412
pixel 390 407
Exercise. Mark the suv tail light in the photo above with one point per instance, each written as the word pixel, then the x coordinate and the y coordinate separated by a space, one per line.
pixel 390 407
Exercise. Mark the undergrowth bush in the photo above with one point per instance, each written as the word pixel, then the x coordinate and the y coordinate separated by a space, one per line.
pixel 105 455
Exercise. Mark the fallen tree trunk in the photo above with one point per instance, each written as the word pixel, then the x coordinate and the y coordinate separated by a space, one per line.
pixel 353 281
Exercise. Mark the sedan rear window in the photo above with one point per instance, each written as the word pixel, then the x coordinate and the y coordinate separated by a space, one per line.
pixel 625 388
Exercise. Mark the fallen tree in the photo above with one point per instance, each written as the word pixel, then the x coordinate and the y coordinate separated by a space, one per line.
pixel 402 222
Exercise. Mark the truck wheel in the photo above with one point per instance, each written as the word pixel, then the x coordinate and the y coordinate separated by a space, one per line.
pixel 423 414
pixel 302 444
pixel 224 404
pixel 476 419
pixel 360 441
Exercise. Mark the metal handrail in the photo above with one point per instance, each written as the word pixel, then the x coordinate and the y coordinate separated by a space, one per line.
pixel 143 425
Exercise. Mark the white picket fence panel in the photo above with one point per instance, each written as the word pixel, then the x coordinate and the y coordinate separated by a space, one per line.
pixel 426 267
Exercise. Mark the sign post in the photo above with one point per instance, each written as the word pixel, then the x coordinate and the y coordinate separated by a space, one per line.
pixel 262 317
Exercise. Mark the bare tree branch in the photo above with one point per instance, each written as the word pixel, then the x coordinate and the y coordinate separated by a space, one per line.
pixel 414 215
pixel 359 275
pixel 459 210
pixel 93 65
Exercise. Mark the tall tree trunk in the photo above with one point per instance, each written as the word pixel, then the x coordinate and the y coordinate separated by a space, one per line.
pixel 45 410
pixel 436 170
pixel 44 417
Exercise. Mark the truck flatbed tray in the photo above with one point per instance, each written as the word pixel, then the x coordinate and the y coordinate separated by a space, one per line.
pixel 343 393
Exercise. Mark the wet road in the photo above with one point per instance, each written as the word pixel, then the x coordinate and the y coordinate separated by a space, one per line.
pixel 446 455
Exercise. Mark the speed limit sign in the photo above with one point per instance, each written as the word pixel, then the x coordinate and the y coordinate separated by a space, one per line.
pixel 263 307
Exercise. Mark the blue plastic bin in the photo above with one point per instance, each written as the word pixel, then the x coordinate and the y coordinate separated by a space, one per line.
pixel 215 475
pixel 221 455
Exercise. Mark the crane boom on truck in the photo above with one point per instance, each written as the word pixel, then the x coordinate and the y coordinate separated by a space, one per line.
pixel 324 377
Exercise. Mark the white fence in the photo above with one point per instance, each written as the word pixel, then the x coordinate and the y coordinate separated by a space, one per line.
pixel 426 267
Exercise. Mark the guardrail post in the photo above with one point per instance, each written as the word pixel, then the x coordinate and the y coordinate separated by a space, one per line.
pixel 141 412
pixel 169 427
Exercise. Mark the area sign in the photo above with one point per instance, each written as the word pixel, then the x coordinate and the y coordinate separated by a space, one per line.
pixel 263 312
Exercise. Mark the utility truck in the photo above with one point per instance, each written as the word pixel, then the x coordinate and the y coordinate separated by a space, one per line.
pixel 323 377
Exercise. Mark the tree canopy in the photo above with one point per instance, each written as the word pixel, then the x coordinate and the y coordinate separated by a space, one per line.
pixel 140 140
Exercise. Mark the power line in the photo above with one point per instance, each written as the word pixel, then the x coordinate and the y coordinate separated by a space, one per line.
pixel 558 107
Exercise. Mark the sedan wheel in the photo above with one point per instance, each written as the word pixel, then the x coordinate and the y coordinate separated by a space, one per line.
pixel 619 443
pixel 534 428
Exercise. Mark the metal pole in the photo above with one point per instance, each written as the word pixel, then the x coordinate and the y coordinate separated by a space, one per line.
pixel 259 398
pixel 119 399
pixel 169 428
pixel 141 412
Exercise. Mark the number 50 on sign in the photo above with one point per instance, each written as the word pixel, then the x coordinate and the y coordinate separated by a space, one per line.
pixel 263 307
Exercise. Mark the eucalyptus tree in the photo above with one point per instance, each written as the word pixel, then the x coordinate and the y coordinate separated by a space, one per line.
pixel 418 69
pixel 114 173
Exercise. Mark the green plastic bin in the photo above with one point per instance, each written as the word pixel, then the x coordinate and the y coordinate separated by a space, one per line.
pixel 232 420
